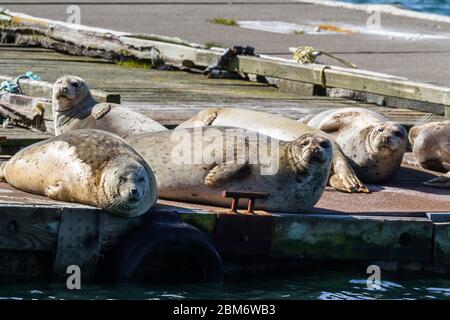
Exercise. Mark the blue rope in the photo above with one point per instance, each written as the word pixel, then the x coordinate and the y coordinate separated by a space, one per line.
pixel 14 85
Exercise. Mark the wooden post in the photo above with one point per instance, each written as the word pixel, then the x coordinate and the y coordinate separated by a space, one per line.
pixel 79 242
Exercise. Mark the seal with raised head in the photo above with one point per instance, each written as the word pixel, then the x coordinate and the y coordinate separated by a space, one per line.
pixel 92 167
pixel 374 144
pixel 74 108
pixel 198 164
pixel 431 149
pixel 342 177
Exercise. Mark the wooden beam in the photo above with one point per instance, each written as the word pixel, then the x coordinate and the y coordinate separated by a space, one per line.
pixel 44 89
pixel 115 46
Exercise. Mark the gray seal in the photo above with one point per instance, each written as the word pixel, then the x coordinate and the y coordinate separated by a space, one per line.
pixel 374 144
pixel 431 149
pixel 86 166
pixel 197 164
pixel 74 108
pixel 342 177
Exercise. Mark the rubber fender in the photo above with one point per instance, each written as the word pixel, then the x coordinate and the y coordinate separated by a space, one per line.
pixel 168 251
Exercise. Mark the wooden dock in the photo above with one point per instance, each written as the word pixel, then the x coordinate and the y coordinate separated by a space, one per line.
pixel 400 226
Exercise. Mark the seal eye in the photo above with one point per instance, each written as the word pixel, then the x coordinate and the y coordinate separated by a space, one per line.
pixel 398 134
pixel 122 180
pixel 324 144
pixel 141 179
pixel 380 129
pixel 74 84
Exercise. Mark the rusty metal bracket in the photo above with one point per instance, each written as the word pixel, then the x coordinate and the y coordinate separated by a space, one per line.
pixel 237 195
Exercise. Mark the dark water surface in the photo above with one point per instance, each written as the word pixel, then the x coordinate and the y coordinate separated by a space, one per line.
pixel 432 6
pixel 321 285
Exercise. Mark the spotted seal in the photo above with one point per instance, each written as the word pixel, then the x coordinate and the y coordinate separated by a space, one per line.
pixel 431 149
pixel 342 177
pixel 87 166
pixel 374 144
pixel 197 164
pixel 74 108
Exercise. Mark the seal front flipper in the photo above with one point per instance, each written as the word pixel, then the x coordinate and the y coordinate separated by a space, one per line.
pixel 100 110
pixel 226 172
pixel 439 182
pixel 343 177
pixel 54 191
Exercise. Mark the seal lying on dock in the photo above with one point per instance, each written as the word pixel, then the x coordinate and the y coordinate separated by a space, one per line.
pixel 74 108
pixel 374 144
pixel 342 178
pixel 431 149
pixel 197 164
pixel 86 166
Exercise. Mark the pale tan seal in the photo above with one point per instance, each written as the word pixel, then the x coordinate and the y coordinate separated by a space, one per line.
pixel 342 178
pixel 431 149
pixel 86 166
pixel 197 164
pixel 74 108
pixel 374 144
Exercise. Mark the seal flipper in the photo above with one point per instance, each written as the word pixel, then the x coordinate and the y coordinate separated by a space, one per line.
pixel 226 172
pixel 207 117
pixel 100 110
pixel 439 182
pixel 343 177
pixel 54 191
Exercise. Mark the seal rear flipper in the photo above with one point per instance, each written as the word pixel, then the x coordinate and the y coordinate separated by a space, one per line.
pixel 439 182
pixel 223 173
pixel 100 110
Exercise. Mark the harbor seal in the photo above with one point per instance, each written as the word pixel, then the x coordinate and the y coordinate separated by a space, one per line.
pixel 74 108
pixel 342 177
pixel 431 149
pixel 197 164
pixel 86 166
pixel 374 144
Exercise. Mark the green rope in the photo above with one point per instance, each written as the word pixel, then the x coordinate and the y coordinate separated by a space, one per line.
pixel 307 54
pixel 14 85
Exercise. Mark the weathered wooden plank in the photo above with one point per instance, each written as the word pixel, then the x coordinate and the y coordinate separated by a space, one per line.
pixel 28 228
pixel 79 241
pixel 352 238
pixel 35 88
pixel 116 45
pixel 441 246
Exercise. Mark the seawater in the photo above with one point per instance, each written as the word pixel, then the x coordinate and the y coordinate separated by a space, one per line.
pixel 312 285
pixel 431 6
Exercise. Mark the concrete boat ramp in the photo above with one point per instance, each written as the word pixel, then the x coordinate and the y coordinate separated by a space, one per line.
pixel 400 226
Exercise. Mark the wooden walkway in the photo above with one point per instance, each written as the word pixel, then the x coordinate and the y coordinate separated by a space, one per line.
pixel 173 96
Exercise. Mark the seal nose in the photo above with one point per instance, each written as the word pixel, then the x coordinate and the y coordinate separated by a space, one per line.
pixel 64 89
pixel 133 191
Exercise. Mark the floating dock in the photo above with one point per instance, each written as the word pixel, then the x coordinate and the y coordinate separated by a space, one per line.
pixel 402 225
